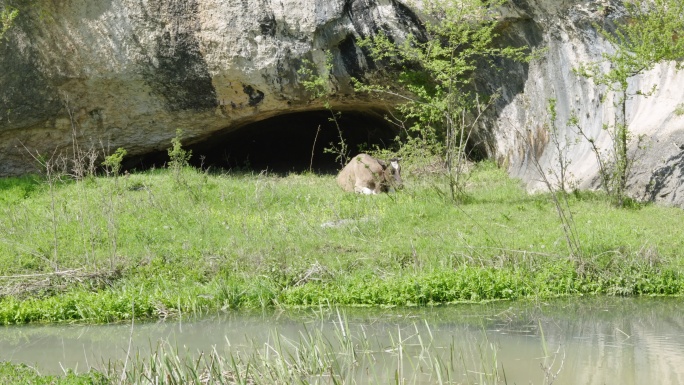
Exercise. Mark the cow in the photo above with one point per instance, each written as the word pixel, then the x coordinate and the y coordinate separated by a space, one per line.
pixel 367 175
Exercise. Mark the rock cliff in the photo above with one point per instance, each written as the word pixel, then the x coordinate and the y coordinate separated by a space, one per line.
pixel 516 132
pixel 128 73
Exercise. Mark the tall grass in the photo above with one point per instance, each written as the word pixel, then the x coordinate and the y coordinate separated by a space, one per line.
pixel 197 242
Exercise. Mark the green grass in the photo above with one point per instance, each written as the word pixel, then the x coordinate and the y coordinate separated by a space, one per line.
pixel 155 244
pixel 22 374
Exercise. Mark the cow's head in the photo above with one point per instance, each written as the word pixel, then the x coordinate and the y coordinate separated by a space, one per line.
pixel 393 174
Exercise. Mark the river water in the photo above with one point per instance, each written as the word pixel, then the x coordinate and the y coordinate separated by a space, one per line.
pixel 579 341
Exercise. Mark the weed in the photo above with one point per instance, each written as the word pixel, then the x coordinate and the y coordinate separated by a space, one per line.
pixel 343 355
pixel 178 156
pixel 113 161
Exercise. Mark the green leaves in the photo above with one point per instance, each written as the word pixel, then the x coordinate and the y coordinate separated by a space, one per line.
pixel 316 83
pixel 435 82
pixel 7 17
pixel 113 161
pixel 650 33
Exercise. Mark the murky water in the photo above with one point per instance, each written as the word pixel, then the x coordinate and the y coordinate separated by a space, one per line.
pixel 586 341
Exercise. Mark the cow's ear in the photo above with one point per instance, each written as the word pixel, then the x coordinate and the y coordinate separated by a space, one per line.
pixel 382 163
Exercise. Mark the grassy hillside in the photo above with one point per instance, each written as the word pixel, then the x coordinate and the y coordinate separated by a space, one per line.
pixel 159 243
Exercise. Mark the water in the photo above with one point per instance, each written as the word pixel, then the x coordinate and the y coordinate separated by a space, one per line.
pixel 582 341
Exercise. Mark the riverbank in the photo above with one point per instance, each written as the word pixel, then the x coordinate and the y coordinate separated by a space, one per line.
pixel 161 244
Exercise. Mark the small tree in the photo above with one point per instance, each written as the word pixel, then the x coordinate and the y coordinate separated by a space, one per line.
pixel 437 73
pixel 112 162
pixel 179 158
pixel 652 31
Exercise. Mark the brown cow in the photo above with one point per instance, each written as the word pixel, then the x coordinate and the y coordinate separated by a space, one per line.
pixel 367 175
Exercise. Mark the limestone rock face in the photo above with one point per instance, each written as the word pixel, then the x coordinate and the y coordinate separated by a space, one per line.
pixel 517 130
pixel 128 73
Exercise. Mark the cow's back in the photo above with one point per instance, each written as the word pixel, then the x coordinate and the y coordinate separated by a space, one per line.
pixel 362 172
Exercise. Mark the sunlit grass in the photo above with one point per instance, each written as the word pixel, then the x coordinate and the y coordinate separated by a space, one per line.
pixel 160 245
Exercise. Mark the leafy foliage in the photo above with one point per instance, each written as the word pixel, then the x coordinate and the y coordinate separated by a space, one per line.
pixel 178 156
pixel 436 75
pixel 316 82
pixel 113 161
pixel 7 16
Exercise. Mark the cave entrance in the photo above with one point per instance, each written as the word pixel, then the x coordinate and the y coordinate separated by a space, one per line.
pixel 293 142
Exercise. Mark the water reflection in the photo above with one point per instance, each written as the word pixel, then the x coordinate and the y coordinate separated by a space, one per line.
pixel 588 341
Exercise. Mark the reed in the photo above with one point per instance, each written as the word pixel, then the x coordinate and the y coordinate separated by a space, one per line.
pixel 345 356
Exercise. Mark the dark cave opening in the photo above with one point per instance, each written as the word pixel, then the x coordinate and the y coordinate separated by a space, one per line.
pixel 293 142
